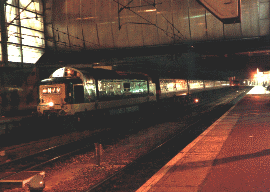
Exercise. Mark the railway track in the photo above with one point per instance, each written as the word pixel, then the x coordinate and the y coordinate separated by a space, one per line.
pixel 34 161
pixel 37 160
pixel 140 170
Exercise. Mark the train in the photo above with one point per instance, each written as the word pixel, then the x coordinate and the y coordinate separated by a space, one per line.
pixel 18 91
pixel 71 91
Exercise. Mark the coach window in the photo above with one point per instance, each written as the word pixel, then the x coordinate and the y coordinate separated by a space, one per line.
pixel 110 89
pixel 90 92
pixel 139 87
pixel 117 88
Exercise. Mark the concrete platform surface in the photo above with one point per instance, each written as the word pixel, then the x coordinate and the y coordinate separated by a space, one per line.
pixel 231 155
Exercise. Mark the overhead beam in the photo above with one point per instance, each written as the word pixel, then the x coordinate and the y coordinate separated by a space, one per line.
pixel 228 11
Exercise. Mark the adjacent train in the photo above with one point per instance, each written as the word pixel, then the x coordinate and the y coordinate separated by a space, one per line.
pixel 70 91
pixel 18 91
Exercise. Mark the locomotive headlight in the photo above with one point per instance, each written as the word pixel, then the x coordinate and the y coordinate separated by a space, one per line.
pixel 44 90
pixel 51 104
pixel 196 100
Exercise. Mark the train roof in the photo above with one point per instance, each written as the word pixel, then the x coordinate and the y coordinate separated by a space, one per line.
pixel 55 80
pixel 87 73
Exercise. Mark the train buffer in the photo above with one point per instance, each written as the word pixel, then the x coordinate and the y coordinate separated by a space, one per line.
pixel 32 180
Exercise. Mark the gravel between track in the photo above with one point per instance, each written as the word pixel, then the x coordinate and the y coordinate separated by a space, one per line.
pixel 80 172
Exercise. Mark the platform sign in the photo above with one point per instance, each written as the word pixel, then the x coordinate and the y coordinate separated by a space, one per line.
pixel 228 11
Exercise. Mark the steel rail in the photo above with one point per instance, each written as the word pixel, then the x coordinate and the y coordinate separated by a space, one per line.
pixel 232 99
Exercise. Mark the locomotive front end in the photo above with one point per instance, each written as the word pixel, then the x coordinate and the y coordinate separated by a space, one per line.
pixel 52 99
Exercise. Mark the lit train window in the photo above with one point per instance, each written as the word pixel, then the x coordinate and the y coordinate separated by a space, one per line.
pixel 71 73
pixel 53 90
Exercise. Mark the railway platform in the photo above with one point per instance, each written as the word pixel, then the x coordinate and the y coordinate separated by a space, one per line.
pixel 231 155
pixel 5 122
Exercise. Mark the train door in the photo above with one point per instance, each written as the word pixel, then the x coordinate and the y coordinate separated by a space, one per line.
pixel 78 93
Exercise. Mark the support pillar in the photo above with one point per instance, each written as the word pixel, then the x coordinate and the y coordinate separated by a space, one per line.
pixel 3 28
pixel 98 153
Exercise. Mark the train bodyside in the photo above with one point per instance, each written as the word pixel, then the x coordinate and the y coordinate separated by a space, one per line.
pixel 181 88
pixel 69 91
pixel 172 87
